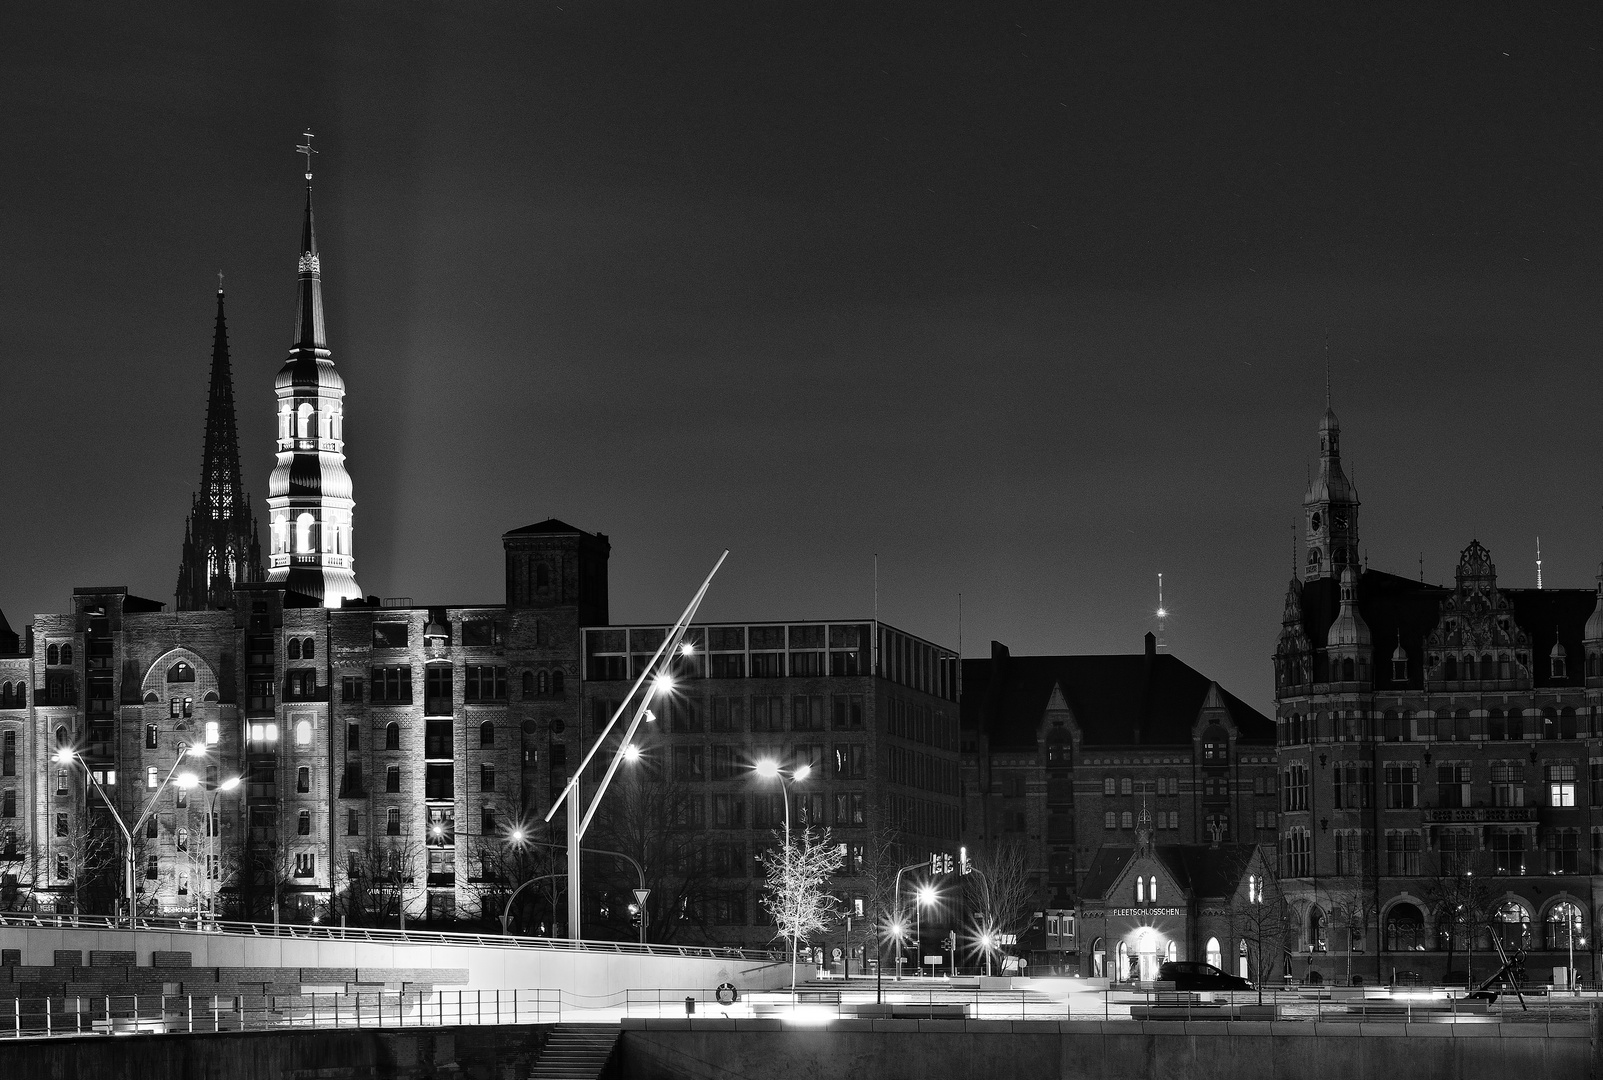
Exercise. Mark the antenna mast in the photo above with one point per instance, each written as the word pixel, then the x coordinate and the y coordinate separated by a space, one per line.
pixel 1538 562
pixel 1163 614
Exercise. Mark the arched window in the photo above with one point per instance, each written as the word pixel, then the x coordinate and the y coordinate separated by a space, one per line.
pixel 1316 929
pixel 303 420
pixel 1215 957
pixel 1347 671
pixel 1242 963
pixel 487 734
pixel 53 654
pixel 294 648
pixel 392 736
pixel 392 821
pixel 1099 958
pixel 1512 923
pixel 1140 890
pixel 543 683
pixel 181 672
pixel 1450 669
pixel 309 649
pixel 1405 928
pixel 556 681
pixel 1563 922
pixel 528 684
pixel 61 737
pixel 303 733
pixel 1125 968
pixel 66 654
pixel 1152 889
pixel 303 533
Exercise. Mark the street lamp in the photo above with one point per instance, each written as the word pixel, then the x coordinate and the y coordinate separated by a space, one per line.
pixel 926 898
pixel 769 769
pixel 518 837
pixel 66 755
pixel 578 816
pixel 209 805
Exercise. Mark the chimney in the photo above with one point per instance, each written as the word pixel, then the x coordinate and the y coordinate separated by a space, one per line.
pixel 1152 645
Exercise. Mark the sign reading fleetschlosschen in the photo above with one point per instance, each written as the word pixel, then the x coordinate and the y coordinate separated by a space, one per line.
pixel 1127 912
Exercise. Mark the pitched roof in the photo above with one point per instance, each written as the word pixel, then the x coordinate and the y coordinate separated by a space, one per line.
pixel 549 525
pixel 1199 870
pixel 1117 700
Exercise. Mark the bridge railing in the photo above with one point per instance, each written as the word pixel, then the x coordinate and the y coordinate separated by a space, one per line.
pixel 380 935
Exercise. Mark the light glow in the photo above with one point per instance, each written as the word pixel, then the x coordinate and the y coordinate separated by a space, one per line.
pixel 926 895
pixel 768 768
pixel 186 780
pixel 65 756
pixel 631 752
pixel 662 683
pixel 197 751
pixel 801 772
pixel 687 649
pixel 229 785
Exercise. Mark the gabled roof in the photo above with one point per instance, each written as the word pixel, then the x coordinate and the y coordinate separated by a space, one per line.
pixel 549 525
pixel 1199 870
pixel 1148 698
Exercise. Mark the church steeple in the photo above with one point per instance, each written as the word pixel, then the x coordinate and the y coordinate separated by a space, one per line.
pixel 309 495
pixel 220 544
pixel 1331 509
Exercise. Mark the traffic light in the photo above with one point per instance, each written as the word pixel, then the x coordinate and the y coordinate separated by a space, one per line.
pixel 964 866
pixel 935 863
pixel 946 863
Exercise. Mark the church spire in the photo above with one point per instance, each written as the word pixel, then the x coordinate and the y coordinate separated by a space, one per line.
pixel 309 494
pixel 220 545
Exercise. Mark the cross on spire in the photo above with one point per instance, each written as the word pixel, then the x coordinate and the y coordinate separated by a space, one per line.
pixel 306 149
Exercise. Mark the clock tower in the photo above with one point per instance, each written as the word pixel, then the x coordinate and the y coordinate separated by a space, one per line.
pixel 1330 510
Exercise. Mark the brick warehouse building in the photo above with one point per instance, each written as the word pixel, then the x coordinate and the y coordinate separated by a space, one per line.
pixel 1061 754
pixel 1440 749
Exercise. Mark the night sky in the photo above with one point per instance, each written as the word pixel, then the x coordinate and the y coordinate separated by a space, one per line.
pixel 1031 300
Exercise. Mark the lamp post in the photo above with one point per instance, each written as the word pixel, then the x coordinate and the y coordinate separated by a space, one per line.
pixel 66 756
pixel 579 817
pixel 769 769
pixel 899 924
pixel 925 897
pixel 209 805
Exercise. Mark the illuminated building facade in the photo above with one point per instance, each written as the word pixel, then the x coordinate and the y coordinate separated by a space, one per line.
pixel 1062 755
pixel 1440 749
pixel 309 496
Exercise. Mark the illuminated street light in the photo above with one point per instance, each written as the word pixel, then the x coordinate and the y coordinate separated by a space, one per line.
pixel 631 753
pixel 687 649
pixel 801 772
pixel 767 768
pixel 662 683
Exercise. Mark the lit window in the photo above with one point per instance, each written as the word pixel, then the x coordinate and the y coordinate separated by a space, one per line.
pixel 1140 890
pixel 150 777
pixel 303 733
pixel 212 734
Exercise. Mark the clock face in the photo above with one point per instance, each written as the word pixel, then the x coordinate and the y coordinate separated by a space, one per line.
pixel 1313 521
pixel 1338 522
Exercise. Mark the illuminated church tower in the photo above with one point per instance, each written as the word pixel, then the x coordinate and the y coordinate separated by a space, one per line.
pixel 1331 509
pixel 220 544
pixel 309 495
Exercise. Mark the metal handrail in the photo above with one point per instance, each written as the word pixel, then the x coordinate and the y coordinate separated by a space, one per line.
pixel 377 935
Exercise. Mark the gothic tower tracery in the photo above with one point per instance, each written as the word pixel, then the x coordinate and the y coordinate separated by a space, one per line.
pixel 309 495
pixel 1331 510
pixel 221 547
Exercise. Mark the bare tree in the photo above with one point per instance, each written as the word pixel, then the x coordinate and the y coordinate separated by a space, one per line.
pixel 370 888
pixel 1350 903
pixel 875 877
pixel 1462 901
pixel 660 823
pixel 1002 890
pixel 1260 908
pixel 86 861
pixel 796 890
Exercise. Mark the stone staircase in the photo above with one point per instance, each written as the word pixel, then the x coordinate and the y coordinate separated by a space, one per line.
pixel 576 1052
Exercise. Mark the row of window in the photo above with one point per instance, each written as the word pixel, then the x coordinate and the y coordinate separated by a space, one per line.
pixel 13 695
pixel 58 654
pixel 1497 725
pixel 438 735
pixel 1351 787
pixel 475 632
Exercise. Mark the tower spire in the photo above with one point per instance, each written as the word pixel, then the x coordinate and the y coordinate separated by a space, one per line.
pixel 309 494
pixel 1331 504
pixel 220 545
pixel 1538 562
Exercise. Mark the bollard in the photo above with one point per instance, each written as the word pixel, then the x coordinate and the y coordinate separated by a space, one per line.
pixel 690 1006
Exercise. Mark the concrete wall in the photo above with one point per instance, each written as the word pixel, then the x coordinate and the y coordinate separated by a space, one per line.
pixel 1045 1050
pixel 491 1053
pixel 581 974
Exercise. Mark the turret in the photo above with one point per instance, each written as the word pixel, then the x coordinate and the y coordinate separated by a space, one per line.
pixel 1348 643
pixel 1331 509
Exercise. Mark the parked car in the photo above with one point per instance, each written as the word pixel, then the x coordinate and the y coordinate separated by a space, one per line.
pixel 1190 975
